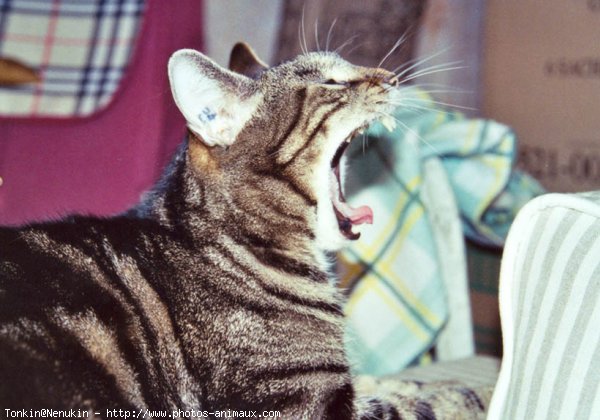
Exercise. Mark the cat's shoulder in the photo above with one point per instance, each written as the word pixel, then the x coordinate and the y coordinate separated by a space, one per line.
pixel 76 235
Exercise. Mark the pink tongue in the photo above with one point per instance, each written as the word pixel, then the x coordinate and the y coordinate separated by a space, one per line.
pixel 358 216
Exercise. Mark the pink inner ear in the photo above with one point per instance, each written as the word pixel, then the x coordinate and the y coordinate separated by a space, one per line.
pixel 206 95
pixel 199 99
pixel 216 126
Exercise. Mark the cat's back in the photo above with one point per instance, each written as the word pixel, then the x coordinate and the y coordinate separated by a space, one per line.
pixel 67 314
pixel 42 254
pixel 33 258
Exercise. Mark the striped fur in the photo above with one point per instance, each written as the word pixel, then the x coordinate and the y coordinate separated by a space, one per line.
pixel 214 293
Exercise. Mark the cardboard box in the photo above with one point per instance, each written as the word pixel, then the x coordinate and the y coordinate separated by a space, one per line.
pixel 541 75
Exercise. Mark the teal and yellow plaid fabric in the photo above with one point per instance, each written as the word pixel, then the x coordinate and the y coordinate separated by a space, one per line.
pixel 397 303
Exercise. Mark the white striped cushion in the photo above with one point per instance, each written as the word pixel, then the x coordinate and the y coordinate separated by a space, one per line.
pixel 550 311
pixel 475 372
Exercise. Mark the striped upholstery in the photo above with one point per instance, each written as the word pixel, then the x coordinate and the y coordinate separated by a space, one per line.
pixel 550 311
pixel 475 371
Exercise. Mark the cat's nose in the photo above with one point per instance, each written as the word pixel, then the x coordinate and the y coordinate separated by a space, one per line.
pixel 384 76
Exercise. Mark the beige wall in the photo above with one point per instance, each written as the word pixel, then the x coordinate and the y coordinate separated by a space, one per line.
pixel 229 21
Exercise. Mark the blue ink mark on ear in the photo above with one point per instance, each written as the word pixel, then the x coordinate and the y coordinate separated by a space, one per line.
pixel 207 115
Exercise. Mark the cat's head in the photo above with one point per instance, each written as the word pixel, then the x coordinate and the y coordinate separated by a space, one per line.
pixel 277 134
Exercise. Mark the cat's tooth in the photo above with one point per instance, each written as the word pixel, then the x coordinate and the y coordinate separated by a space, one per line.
pixel 389 123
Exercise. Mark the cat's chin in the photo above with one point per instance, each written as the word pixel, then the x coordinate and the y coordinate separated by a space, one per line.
pixel 331 240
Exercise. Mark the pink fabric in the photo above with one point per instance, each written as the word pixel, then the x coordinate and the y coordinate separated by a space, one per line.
pixel 102 163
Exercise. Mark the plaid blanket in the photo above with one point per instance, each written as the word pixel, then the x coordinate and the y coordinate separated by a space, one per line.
pixel 397 302
pixel 81 49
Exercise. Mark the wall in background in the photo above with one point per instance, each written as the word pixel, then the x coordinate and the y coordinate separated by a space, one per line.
pixel 451 31
pixel 255 22
pixel 451 35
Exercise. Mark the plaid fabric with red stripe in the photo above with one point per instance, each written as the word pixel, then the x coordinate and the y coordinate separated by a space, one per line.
pixel 81 49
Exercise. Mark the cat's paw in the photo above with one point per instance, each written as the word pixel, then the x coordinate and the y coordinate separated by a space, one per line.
pixel 370 385
pixel 421 400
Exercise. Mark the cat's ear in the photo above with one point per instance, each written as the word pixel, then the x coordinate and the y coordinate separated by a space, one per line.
pixel 243 60
pixel 214 101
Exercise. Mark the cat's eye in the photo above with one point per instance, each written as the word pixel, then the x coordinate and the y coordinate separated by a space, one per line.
pixel 333 82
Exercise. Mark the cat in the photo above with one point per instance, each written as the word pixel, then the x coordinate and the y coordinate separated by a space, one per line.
pixel 215 292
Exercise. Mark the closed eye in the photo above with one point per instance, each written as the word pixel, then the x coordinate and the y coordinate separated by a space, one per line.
pixel 333 82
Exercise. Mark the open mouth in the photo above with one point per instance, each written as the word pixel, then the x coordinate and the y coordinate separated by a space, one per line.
pixel 346 215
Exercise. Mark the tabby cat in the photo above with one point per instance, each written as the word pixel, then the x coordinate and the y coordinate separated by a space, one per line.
pixel 215 292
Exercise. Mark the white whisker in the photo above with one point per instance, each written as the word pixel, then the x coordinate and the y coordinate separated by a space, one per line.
pixel 354 48
pixel 466 108
pixel 433 67
pixel 329 32
pixel 420 109
pixel 394 47
pixel 410 130
pixel 439 88
pixel 417 63
pixel 304 31
pixel 317 34
pixel 425 101
pixel 405 64
pixel 428 72
pixel 346 43
pixel 300 39
pixel 440 108
pixel 456 91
